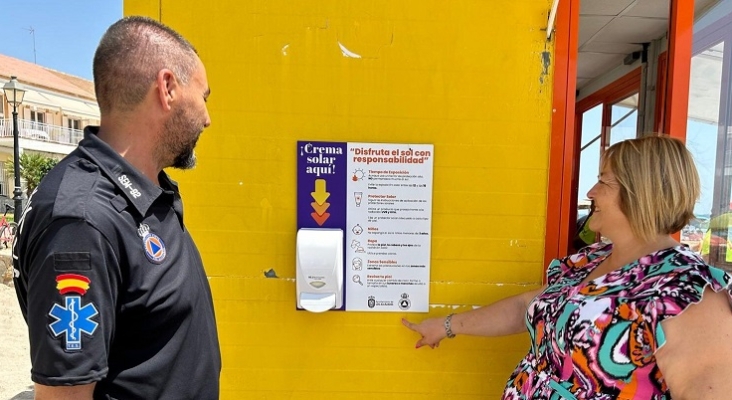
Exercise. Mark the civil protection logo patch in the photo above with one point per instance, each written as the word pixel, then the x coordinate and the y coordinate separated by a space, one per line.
pixel 154 248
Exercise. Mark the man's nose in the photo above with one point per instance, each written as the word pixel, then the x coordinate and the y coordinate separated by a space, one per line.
pixel 207 121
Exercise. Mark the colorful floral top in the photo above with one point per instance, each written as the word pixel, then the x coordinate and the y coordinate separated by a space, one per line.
pixel 598 340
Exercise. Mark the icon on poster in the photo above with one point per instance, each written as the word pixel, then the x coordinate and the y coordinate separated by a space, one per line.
pixel 404 302
pixel 357 279
pixel 356 245
pixel 372 302
pixel 357 230
pixel 357 196
pixel 358 175
pixel 357 264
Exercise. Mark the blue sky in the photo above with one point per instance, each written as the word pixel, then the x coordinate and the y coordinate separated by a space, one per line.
pixel 66 31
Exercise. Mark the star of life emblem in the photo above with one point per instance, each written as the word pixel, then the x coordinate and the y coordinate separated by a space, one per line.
pixel 154 246
pixel 72 320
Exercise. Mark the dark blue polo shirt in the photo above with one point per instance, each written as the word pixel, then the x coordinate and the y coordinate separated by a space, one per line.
pixel 111 284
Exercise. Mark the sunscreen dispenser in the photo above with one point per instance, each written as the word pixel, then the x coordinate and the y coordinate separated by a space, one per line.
pixel 319 265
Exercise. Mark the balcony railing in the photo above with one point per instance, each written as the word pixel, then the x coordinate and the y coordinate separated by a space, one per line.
pixel 40 131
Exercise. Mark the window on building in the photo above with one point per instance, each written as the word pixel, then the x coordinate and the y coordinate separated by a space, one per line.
pixel 73 123
pixel 38 116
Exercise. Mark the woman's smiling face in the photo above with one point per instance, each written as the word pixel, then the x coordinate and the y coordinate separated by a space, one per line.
pixel 607 217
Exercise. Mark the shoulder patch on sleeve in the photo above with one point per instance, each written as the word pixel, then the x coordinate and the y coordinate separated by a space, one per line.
pixel 73 193
pixel 80 261
pixel 72 283
pixel 71 319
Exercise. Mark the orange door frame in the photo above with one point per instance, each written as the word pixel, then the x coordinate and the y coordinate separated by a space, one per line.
pixel 678 70
pixel 612 93
pixel 680 44
pixel 562 144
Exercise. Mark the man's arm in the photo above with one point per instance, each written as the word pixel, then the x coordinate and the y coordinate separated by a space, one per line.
pixel 72 274
pixel 80 392
pixel 695 361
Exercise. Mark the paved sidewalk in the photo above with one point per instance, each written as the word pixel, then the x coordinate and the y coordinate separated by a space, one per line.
pixel 15 382
pixel 27 395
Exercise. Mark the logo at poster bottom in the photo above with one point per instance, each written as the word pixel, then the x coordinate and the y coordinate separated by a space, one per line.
pixel 404 302
pixel 372 302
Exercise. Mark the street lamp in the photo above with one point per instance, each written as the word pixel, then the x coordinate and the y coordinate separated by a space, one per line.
pixel 14 92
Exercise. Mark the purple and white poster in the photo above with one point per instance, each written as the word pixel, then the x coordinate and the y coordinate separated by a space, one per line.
pixel 380 195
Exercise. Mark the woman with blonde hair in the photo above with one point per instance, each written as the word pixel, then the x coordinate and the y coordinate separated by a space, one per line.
pixel 641 317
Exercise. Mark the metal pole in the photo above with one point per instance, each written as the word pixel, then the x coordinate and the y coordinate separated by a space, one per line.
pixel 17 193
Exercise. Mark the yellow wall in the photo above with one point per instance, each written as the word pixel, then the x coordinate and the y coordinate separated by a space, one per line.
pixel 467 76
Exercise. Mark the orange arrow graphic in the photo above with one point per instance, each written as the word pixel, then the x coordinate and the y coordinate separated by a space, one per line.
pixel 320 208
pixel 320 195
pixel 320 219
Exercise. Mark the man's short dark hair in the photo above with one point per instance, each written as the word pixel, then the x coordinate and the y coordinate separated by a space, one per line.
pixel 129 57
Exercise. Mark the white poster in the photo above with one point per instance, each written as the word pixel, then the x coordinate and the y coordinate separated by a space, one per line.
pixel 389 227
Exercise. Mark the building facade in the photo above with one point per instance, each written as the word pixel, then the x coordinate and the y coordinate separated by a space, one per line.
pixel 55 109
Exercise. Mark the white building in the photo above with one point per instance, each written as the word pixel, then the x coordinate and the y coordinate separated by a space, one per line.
pixel 55 109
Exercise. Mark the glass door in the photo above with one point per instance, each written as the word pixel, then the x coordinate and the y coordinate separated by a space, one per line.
pixel 707 138
pixel 623 120
pixel 608 116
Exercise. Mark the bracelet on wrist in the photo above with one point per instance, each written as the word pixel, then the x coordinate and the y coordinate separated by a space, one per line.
pixel 448 326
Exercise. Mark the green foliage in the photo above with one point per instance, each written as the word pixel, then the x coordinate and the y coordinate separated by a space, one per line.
pixel 33 167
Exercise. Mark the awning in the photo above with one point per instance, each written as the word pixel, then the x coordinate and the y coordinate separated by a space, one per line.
pixel 67 105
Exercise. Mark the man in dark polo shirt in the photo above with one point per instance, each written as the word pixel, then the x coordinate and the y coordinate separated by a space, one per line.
pixel 109 280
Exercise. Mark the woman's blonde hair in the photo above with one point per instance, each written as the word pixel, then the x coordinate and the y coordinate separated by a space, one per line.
pixel 659 184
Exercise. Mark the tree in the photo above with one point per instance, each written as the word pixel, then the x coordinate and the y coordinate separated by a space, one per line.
pixel 33 167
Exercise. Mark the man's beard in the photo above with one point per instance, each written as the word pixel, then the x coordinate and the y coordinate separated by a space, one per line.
pixel 180 135
pixel 186 159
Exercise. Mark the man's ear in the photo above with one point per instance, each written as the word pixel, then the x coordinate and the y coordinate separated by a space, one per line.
pixel 168 88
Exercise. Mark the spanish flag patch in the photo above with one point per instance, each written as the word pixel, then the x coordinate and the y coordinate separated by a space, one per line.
pixel 72 283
